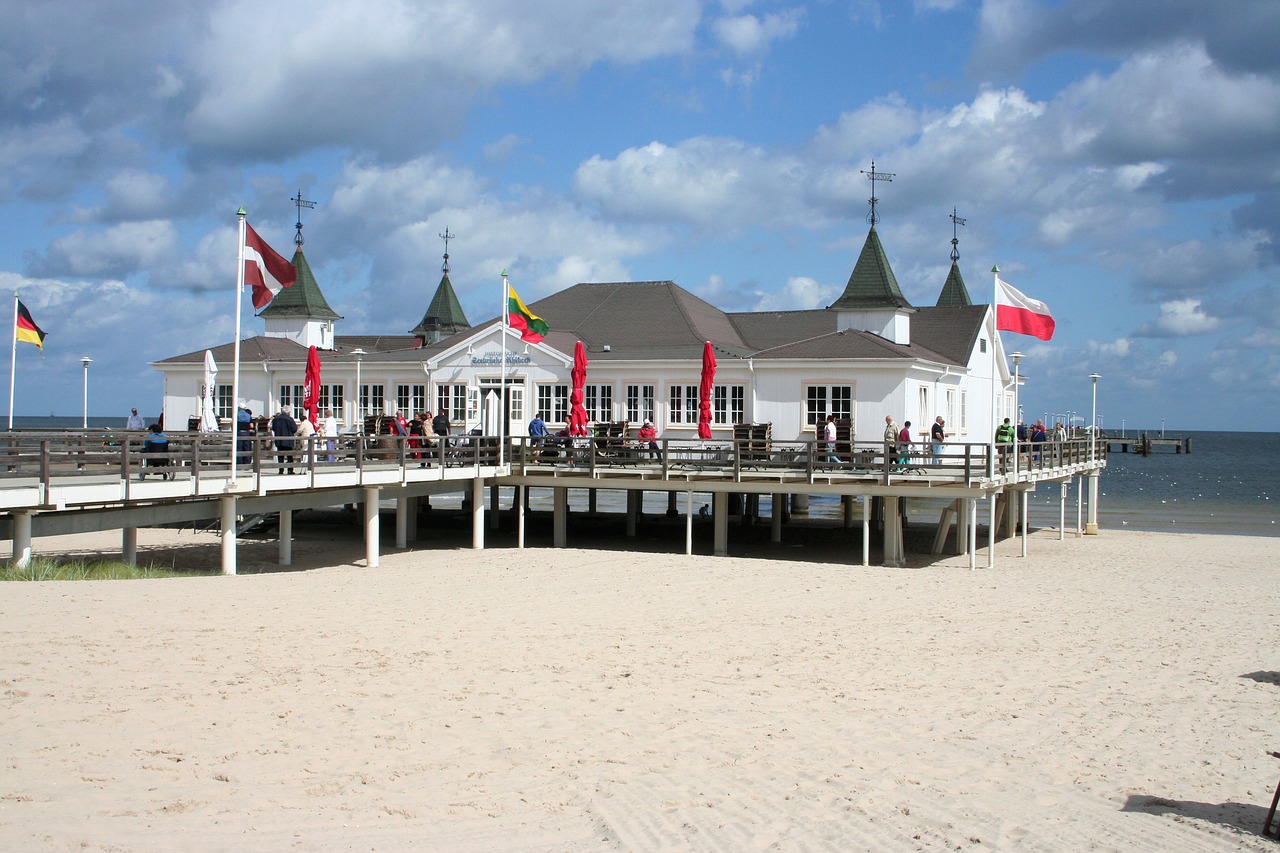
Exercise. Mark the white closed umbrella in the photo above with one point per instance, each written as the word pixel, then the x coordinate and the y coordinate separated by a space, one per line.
pixel 208 406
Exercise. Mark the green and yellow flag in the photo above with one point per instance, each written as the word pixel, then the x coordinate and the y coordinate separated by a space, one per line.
pixel 531 326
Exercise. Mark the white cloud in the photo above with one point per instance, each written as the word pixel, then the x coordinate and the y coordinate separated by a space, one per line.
pixel 119 250
pixel 1168 358
pixel 799 293
pixel 1119 348
pixel 257 92
pixel 707 183
pixel 1187 104
pixel 1181 318
pixel 748 35
pixel 502 149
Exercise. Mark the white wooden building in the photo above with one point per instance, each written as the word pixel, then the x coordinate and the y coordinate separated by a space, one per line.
pixel 868 355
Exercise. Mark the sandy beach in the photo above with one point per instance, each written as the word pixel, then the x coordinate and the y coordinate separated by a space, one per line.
pixel 1116 692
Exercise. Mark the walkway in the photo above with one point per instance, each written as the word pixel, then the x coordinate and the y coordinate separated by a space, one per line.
pixel 67 482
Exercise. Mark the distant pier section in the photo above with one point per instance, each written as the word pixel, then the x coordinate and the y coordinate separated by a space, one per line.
pixel 1144 444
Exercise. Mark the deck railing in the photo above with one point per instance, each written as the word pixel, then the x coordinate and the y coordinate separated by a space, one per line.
pixel 42 456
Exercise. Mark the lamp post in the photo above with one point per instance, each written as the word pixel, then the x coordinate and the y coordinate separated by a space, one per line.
pixel 1091 523
pixel 359 413
pixel 86 361
pixel 1093 422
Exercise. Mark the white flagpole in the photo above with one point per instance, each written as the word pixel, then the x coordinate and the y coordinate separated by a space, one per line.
pixel 13 358
pixel 235 372
pixel 502 415
pixel 997 389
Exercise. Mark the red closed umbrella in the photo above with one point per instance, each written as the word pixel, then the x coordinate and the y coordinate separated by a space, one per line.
pixel 578 414
pixel 704 391
pixel 311 387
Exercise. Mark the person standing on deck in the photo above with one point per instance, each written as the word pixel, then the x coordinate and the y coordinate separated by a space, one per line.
pixel 937 435
pixel 440 423
pixel 904 443
pixel 329 429
pixel 829 438
pixel 890 437
pixel 537 432
pixel 135 421
pixel 283 427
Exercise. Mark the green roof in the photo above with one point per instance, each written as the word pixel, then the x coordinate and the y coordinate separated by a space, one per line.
pixel 301 299
pixel 872 283
pixel 444 314
pixel 954 293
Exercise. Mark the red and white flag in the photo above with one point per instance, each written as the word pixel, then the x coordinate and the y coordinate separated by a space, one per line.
pixel 265 269
pixel 1016 312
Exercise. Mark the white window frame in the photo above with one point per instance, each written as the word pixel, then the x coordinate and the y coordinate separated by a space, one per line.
pixel 682 404
pixel 833 399
pixel 598 401
pixel 553 402
pixel 641 403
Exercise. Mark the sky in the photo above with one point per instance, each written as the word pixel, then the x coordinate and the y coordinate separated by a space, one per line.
pixel 1118 161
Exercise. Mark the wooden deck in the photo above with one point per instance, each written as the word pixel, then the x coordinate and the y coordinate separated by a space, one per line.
pixel 84 480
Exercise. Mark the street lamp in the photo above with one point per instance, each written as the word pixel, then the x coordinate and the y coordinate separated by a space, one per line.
pixel 1093 423
pixel 359 414
pixel 86 361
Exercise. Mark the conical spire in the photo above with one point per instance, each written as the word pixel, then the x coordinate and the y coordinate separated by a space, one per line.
pixel 444 315
pixel 303 298
pixel 954 293
pixel 872 283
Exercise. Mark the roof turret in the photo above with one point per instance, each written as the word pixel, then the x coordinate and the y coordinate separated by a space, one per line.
pixel 302 299
pixel 872 284
pixel 444 315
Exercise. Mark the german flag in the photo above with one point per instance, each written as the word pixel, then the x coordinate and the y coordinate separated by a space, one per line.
pixel 26 328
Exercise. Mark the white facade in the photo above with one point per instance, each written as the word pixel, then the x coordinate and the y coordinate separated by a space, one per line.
pixel 794 395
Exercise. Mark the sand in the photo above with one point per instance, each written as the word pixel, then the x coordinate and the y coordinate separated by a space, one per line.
pixel 1116 692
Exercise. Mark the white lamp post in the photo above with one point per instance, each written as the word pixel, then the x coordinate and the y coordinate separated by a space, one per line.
pixel 1091 524
pixel 1093 423
pixel 359 413
pixel 86 361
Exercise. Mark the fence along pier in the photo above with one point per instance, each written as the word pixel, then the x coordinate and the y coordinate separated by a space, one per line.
pixel 80 481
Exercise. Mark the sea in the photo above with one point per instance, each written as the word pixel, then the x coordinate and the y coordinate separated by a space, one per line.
pixel 1224 485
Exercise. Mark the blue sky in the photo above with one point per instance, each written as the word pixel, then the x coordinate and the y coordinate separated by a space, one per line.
pixel 1119 161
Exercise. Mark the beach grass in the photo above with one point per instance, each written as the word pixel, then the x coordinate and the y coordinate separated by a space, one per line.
pixel 45 569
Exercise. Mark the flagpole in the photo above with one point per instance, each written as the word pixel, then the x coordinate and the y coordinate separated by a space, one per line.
pixel 996 388
pixel 235 372
pixel 502 415
pixel 13 358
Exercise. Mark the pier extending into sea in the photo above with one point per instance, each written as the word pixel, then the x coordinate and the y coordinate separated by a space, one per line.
pixel 78 481
pixel 1143 444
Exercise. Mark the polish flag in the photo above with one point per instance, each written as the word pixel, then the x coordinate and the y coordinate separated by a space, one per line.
pixel 1016 312
pixel 264 269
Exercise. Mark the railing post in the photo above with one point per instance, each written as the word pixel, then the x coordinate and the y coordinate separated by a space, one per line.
pixel 45 466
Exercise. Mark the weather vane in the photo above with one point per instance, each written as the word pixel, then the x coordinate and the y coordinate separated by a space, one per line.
pixel 300 203
pixel 446 236
pixel 872 217
pixel 955 239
